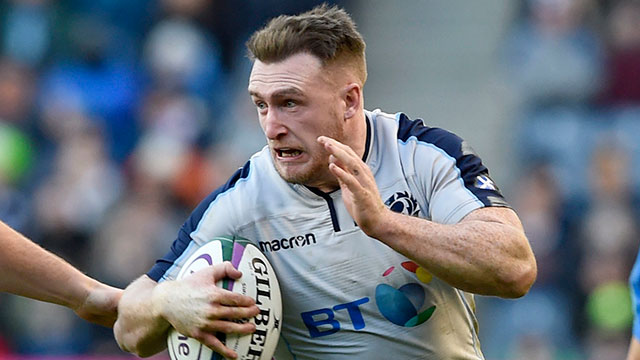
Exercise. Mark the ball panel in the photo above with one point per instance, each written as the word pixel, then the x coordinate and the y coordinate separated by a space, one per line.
pixel 258 281
pixel 207 255
pixel 227 244
pixel 181 347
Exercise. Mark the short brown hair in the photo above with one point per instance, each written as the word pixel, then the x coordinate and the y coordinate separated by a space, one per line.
pixel 326 32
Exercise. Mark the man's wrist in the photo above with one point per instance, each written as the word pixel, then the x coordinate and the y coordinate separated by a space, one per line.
pixel 383 226
pixel 159 299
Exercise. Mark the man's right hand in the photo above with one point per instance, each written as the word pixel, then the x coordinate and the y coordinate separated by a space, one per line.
pixel 199 309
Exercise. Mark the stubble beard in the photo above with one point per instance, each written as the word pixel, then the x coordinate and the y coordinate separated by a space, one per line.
pixel 311 175
pixel 316 171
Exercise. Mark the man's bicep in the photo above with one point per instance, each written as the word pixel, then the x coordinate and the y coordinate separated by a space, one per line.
pixel 493 214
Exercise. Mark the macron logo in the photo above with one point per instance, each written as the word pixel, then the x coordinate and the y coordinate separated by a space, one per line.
pixel 287 243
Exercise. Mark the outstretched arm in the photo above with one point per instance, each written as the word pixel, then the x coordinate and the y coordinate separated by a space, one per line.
pixel 634 284
pixel 634 349
pixel 194 306
pixel 28 270
pixel 486 253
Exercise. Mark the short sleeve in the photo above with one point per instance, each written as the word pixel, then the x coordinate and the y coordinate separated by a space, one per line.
pixel 450 174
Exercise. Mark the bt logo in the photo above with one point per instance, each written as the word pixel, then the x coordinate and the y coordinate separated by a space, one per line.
pixel 401 306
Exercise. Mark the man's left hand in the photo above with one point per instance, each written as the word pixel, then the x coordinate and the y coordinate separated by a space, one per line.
pixel 359 190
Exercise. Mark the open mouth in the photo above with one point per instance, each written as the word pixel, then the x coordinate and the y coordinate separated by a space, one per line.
pixel 288 152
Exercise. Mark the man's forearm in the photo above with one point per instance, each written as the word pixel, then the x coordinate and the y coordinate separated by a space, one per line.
pixel 634 349
pixel 31 271
pixel 477 255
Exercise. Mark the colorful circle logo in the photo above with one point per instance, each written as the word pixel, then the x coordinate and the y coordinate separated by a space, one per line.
pixel 401 305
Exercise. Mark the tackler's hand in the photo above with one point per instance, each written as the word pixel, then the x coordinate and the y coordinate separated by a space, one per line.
pixel 100 305
pixel 359 190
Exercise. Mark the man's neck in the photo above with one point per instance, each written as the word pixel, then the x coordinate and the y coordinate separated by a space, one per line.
pixel 357 134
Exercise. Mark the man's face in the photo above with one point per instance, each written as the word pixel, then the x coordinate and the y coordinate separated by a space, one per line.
pixel 297 101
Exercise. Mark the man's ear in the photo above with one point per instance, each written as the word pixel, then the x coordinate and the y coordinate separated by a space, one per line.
pixel 353 100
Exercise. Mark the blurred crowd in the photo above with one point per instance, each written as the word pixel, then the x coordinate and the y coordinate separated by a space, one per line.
pixel 574 69
pixel 118 117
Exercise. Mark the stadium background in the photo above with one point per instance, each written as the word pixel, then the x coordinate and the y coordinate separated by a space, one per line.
pixel 117 116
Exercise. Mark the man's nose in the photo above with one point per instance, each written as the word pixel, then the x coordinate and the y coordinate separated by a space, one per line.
pixel 273 125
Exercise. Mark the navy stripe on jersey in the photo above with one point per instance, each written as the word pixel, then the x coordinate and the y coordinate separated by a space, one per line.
pixel 181 243
pixel 474 174
pixel 332 208
pixel 367 143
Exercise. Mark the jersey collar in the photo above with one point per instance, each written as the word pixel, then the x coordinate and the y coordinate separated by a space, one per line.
pixel 366 157
pixel 369 141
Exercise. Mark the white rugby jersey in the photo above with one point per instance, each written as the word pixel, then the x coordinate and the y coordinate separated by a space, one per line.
pixel 347 295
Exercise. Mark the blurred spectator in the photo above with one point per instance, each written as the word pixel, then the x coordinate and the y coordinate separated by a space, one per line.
pixel 563 136
pixel 38 328
pixel 96 80
pixel 72 201
pixel 27 31
pixel 609 230
pixel 231 22
pixel 242 133
pixel 622 82
pixel 580 209
pixel 538 326
pixel 554 63
pixel 201 173
pixel 608 237
pixel 16 141
pixel 178 115
pixel 132 235
pixel 16 92
pixel 118 117
pixel 539 203
pixel 623 123
pixel 554 55
pixel 130 19
pixel 15 160
pixel 182 56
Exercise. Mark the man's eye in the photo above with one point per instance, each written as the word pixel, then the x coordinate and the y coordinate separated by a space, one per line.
pixel 290 103
pixel 261 105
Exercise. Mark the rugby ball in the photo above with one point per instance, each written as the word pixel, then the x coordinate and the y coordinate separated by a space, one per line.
pixel 258 281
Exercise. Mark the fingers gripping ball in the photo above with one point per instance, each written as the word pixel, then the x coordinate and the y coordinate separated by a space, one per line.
pixel 258 281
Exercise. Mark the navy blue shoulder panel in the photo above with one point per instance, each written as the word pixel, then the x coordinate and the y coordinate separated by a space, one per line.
pixel 473 173
pixel 184 238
